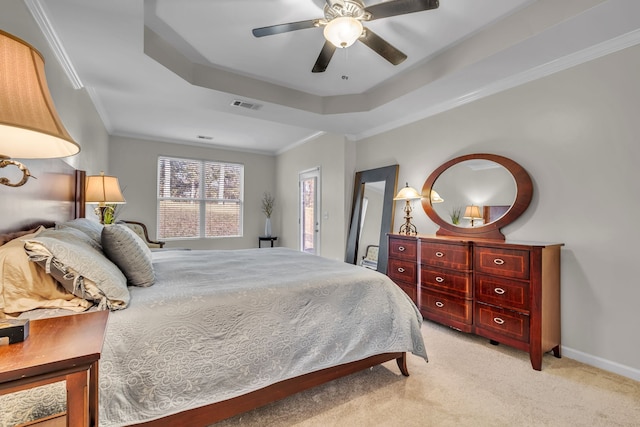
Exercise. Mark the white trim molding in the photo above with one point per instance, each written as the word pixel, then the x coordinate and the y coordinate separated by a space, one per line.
pixel 39 13
pixel 598 362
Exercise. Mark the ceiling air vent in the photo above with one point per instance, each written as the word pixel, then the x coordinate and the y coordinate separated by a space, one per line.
pixel 245 104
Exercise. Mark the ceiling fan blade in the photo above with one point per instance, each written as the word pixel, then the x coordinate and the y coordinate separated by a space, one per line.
pixel 400 7
pixel 323 59
pixel 382 47
pixel 284 28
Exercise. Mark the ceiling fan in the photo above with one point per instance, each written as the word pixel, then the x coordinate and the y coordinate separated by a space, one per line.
pixel 342 24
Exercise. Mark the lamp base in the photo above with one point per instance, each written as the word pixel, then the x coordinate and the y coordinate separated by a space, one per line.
pixel 100 210
pixel 407 228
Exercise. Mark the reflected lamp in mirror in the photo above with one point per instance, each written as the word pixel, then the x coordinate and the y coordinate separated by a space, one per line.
pixel 435 197
pixel 103 190
pixel 29 124
pixel 408 194
pixel 472 213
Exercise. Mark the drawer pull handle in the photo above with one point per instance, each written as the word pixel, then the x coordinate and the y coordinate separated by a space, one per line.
pixel 401 248
pixel 439 304
pixel 400 270
pixel 499 291
pixel 439 279
pixel 498 261
pixel 498 320
pixel 439 254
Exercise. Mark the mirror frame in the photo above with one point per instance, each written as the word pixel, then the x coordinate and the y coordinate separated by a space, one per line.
pixel 524 193
pixel 388 174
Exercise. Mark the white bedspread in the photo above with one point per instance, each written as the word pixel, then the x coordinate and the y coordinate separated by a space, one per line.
pixel 218 324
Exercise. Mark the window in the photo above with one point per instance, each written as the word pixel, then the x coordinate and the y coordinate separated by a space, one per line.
pixel 199 198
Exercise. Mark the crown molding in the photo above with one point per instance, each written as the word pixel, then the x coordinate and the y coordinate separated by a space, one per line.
pixel 589 54
pixel 38 11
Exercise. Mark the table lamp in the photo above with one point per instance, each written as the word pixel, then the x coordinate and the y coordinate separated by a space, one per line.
pixel 103 190
pixel 408 194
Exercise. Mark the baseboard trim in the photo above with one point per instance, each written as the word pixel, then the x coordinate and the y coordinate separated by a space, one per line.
pixel 598 362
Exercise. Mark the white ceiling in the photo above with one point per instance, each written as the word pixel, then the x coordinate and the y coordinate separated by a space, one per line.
pixel 169 70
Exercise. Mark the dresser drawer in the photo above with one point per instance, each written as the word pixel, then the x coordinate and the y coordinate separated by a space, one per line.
pixel 446 306
pixel 409 289
pixel 405 271
pixel 505 322
pixel 403 249
pixel 450 281
pixel 502 292
pixel 502 262
pixel 457 256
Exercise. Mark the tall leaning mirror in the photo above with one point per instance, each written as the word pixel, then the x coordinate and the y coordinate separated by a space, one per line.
pixel 372 212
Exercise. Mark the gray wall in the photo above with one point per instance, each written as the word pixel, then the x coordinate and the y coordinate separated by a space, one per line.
pixel 334 156
pixel 577 133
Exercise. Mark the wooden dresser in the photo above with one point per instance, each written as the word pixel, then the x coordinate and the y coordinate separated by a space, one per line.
pixel 508 292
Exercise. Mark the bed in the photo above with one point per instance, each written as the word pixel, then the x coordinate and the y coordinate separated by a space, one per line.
pixel 218 333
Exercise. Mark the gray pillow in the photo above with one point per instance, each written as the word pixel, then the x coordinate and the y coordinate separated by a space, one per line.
pixel 129 252
pixel 69 256
pixel 91 228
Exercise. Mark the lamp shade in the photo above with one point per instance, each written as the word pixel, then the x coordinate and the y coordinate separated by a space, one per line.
pixel 435 197
pixel 103 189
pixel 29 124
pixel 472 212
pixel 407 193
pixel 343 31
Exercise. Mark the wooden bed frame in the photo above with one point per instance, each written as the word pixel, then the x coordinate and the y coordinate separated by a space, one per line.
pixel 59 196
pixel 207 415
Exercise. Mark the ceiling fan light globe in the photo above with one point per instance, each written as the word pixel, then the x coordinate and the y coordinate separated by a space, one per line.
pixel 342 32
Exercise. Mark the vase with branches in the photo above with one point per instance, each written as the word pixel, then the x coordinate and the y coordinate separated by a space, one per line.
pixel 268 202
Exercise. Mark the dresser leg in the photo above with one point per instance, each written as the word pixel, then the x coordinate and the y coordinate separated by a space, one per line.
pixel 536 360
pixel 556 351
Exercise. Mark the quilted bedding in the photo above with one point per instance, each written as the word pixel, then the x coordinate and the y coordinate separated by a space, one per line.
pixel 218 324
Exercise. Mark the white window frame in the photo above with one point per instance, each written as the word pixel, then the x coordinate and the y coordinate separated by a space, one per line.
pixel 202 200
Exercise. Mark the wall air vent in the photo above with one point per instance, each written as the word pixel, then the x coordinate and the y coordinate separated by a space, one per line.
pixel 245 104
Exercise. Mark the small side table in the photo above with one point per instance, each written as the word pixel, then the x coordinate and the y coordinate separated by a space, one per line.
pixel 266 239
pixel 59 348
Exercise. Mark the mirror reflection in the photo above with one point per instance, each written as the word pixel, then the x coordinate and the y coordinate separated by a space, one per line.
pixel 370 223
pixel 474 193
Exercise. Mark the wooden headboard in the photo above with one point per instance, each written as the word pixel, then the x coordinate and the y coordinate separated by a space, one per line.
pixel 56 195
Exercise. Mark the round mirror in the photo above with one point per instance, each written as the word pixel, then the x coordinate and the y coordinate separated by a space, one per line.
pixel 477 194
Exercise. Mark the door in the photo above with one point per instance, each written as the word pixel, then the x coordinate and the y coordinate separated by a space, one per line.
pixel 309 200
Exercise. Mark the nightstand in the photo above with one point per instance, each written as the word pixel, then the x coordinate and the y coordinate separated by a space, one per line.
pixel 271 239
pixel 59 348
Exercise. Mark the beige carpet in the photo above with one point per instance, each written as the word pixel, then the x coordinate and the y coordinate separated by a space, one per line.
pixel 467 382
